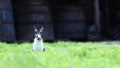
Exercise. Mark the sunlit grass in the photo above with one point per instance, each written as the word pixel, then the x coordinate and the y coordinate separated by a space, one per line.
pixel 60 55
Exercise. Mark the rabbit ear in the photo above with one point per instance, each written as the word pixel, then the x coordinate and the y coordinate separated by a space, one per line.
pixel 36 31
pixel 41 30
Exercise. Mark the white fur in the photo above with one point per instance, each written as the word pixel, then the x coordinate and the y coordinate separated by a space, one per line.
pixel 38 45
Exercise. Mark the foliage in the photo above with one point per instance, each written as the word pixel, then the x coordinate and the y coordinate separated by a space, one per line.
pixel 60 55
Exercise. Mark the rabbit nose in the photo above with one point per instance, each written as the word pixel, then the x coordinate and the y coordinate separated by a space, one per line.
pixel 38 38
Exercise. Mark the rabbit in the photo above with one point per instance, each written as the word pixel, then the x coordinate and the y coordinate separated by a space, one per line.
pixel 38 41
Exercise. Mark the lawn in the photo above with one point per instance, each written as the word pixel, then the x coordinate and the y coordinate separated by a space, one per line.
pixel 60 55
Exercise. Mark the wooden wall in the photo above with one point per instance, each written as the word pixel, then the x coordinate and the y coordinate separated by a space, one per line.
pixel 83 20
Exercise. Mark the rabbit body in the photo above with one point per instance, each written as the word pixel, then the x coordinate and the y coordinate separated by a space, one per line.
pixel 38 45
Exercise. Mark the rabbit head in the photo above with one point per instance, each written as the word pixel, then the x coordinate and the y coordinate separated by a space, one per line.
pixel 38 33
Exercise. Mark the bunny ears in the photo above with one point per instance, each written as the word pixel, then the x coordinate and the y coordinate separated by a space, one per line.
pixel 36 31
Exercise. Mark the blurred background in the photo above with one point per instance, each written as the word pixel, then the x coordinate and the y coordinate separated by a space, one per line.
pixel 80 20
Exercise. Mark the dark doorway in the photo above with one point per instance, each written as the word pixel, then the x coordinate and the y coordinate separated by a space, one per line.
pixel 110 16
pixel 69 19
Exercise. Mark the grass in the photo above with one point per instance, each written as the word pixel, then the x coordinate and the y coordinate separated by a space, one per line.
pixel 60 55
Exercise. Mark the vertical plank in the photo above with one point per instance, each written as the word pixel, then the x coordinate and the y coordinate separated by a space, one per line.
pixel 97 16
pixel 6 21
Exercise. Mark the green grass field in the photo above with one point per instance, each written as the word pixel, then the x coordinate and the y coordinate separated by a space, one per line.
pixel 60 55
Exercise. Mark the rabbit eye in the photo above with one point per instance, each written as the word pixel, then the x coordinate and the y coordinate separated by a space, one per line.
pixel 35 32
pixel 36 36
